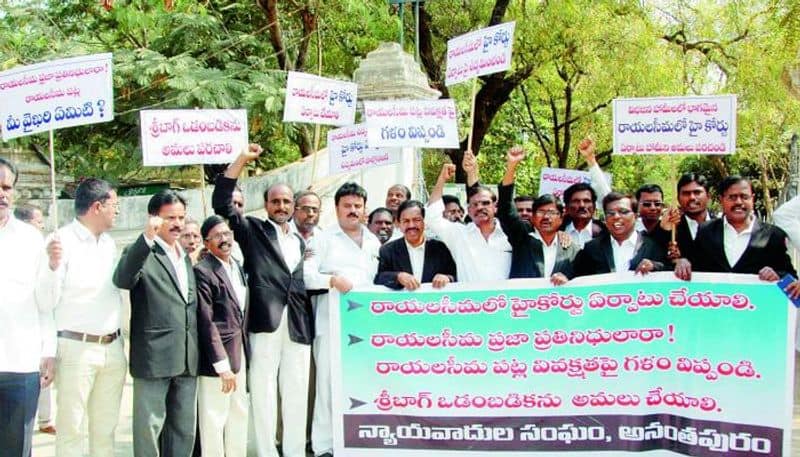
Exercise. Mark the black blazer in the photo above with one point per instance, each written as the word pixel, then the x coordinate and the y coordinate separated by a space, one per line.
pixel 767 248
pixel 271 285
pixel 394 259
pixel 527 252
pixel 597 256
pixel 220 320
pixel 163 323
pixel 683 236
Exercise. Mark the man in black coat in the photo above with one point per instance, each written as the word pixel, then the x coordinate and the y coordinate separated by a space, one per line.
pixel 537 251
pixel 413 259
pixel 738 242
pixel 221 304
pixel 163 332
pixel 621 248
pixel 279 323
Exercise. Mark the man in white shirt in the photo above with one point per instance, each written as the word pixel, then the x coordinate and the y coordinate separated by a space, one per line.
pixel 27 340
pixel 76 284
pixel 307 207
pixel 481 250
pixel 787 217
pixel 381 223
pixel 163 331
pixel 344 256
pixel 580 199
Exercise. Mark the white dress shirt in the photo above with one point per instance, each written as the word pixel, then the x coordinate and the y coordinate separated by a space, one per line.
pixel 787 217
pixel 335 253
pixel 477 258
pixel 289 243
pixel 417 257
pixel 623 253
pixel 693 226
pixel 550 252
pixel 81 291
pixel 735 242
pixel 26 330
pixel 599 183
pixel 233 271
pixel 580 237
pixel 177 256
pixel 314 232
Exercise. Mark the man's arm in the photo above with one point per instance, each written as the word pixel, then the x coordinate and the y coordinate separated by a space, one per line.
pixel 599 183
pixel 513 226
pixel 447 173
pixel 387 275
pixel 129 267
pixel 222 197
pixel 787 217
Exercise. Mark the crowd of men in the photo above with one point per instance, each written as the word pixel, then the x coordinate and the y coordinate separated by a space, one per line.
pixel 237 304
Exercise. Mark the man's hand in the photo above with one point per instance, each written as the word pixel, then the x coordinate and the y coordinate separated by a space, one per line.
pixel 55 253
pixel 793 289
pixel 558 279
pixel 341 284
pixel 768 274
pixel 587 147
pixel 447 173
pixel 228 382
pixel 252 153
pixel 564 240
pixel 470 166
pixel 673 251
pixel 152 226
pixel 514 156
pixel 670 218
pixel 47 371
pixel 440 280
pixel 683 269
pixel 644 267
pixel 408 281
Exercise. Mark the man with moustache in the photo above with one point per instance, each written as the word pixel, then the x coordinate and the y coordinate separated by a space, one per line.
pixel 414 260
pixel 481 250
pixel 307 206
pixel 524 207
pixel 345 255
pixel 580 199
pixel 739 243
pixel 222 385
pixel 163 333
pixel 77 287
pixel 279 322
pixel 395 196
pixel 537 251
pixel 381 223
pixel 622 247
pixel 453 211
pixel 650 200
pixel 27 340
pixel 191 241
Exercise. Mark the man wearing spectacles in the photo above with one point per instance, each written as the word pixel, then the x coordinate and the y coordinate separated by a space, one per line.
pixel 650 198
pixel 305 219
pixel 537 251
pixel 221 386
pixel 739 243
pixel 279 320
pixel 622 247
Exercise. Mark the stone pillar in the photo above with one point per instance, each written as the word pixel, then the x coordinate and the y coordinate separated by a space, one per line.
pixel 389 73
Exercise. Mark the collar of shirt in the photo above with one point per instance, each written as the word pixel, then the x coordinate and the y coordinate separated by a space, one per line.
pixel 234 276
pixel 496 230
pixel 175 252
pixel 730 229
pixel 293 228
pixel 280 230
pixel 587 231
pixel 421 246
pixel 535 233
pixel 693 225
pixel 631 241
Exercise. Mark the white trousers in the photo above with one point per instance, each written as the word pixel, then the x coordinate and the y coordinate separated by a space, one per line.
pixel 321 423
pixel 45 399
pixel 89 382
pixel 279 365
pixel 223 417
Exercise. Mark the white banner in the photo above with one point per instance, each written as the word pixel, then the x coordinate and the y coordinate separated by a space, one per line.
pixel 479 53
pixel 556 180
pixel 413 123
pixel 675 125
pixel 317 100
pixel 56 94
pixel 348 151
pixel 192 136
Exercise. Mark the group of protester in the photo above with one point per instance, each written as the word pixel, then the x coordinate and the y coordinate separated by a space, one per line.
pixel 237 304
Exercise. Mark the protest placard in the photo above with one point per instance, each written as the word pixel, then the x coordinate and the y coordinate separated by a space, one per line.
pixel 318 100
pixel 675 125
pixel 348 151
pixel 56 94
pixel 192 136
pixel 610 363
pixel 413 123
pixel 478 53
pixel 556 180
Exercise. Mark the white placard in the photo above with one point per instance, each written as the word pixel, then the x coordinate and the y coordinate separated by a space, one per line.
pixel 413 123
pixel 192 136
pixel 675 125
pixel 318 100
pixel 56 94
pixel 556 180
pixel 479 53
pixel 348 151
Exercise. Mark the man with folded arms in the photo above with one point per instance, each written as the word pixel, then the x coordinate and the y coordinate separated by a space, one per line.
pixel 222 384
pixel 77 285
